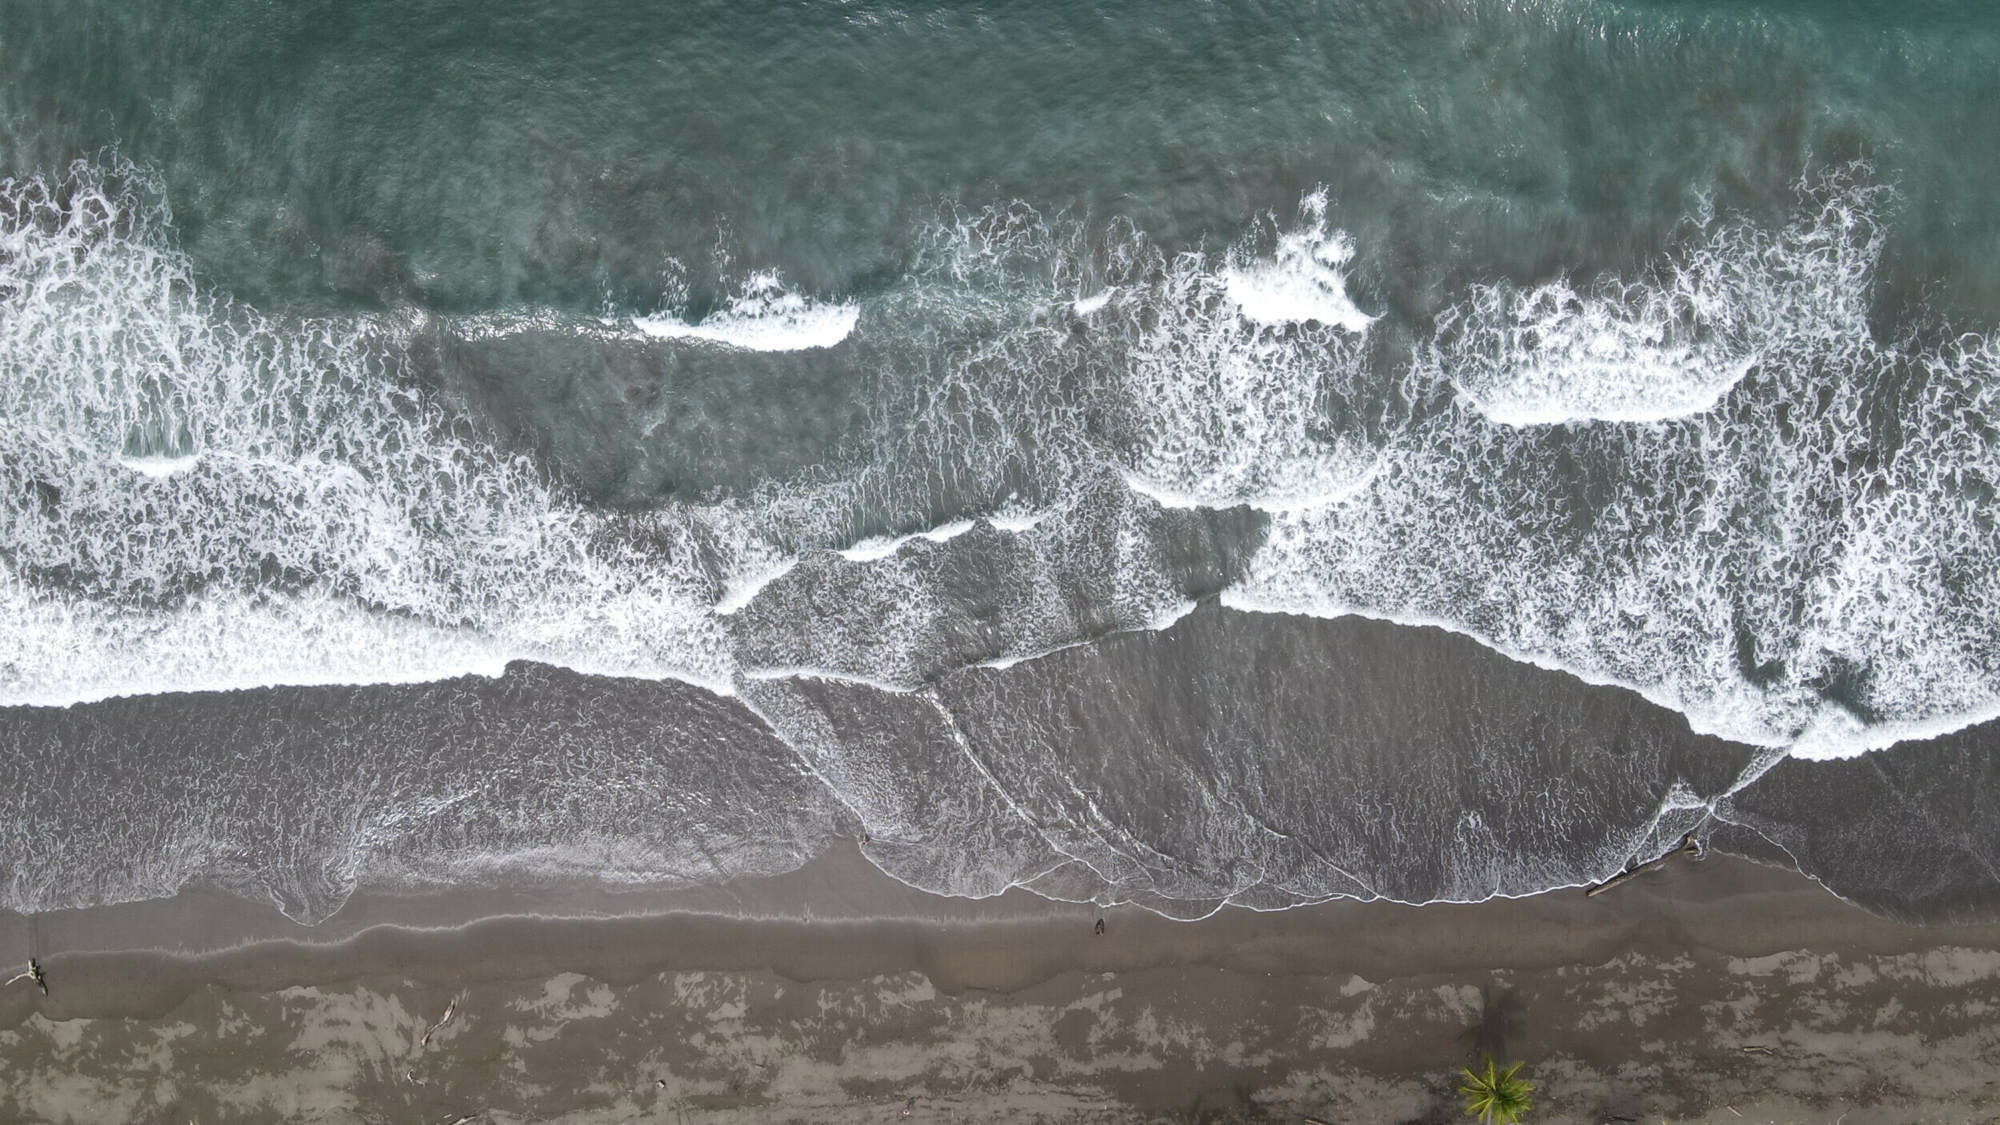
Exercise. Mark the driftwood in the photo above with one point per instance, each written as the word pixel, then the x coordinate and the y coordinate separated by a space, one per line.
pixel 34 975
pixel 1688 846
pixel 436 1027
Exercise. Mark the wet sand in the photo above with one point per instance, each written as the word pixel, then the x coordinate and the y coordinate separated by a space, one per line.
pixel 836 994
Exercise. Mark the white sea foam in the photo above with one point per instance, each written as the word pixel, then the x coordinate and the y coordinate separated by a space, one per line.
pixel 1226 409
pixel 741 587
pixel 882 546
pixel 1776 565
pixel 1016 521
pixel 1660 348
pixel 1637 353
pixel 1334 491
pixel 1202 405
pixel 160 466
pixel 772 674
pixel 1169 614
pixel 1300 282
pixel 1084 306
pixel 231 500
pixel 1695 377
pixel 764 316
pixel 515 322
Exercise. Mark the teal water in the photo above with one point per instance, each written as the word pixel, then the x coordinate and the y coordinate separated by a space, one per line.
pixel 468 157
pixel 764 346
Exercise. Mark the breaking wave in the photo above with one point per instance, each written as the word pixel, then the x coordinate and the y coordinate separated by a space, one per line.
pixel 202 497
pixel 763 316
pixel 1779 526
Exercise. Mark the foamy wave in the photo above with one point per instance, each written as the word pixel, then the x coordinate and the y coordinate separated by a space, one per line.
pixel 1300 282
pixel 1225 388
pixel 1194 398
pixel 882 546
pixel 160 466
pixel 1635 353
pixel 1666 347
pixel 61 651
pixel 765 316
pixel 1084 306
pixel 743 586
pixel 202 497
pixel 198 473
pixel 1314 493
pixel 1806 563
pixel 1788 542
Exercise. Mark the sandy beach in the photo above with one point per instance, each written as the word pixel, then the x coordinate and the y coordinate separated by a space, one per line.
pixel 1714 991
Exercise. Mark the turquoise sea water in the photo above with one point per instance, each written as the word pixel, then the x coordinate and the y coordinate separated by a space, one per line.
pixel 838 359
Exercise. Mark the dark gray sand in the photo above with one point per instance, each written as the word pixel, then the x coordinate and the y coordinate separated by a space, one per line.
pixel 1711 991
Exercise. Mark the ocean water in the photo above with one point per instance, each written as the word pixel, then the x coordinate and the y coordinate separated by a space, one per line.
pixel 1180 453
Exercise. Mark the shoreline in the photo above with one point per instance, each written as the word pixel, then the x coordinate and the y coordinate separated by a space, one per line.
pixel 1196 1009
pixel 838 916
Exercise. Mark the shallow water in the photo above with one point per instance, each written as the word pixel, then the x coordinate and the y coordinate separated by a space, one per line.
pixel 866 377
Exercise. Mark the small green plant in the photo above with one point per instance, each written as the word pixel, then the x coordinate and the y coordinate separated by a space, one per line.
pixel 1497 1097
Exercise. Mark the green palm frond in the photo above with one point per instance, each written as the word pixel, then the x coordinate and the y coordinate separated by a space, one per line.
pixel 1496 1097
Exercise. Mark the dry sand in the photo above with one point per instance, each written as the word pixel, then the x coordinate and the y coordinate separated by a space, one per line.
pixel 835 994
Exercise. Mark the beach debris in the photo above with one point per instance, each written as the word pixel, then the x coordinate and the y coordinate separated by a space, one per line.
pixel 1314 1121
pixel 1758 1049
pixel 32 974
pixel 909 1107
pixel 1099 931
pixel 1732 1109
pixel 1689 845
pixel 448 1010
pixel 659 1083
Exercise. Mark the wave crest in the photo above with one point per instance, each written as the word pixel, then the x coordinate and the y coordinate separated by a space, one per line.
pixel 1671 345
